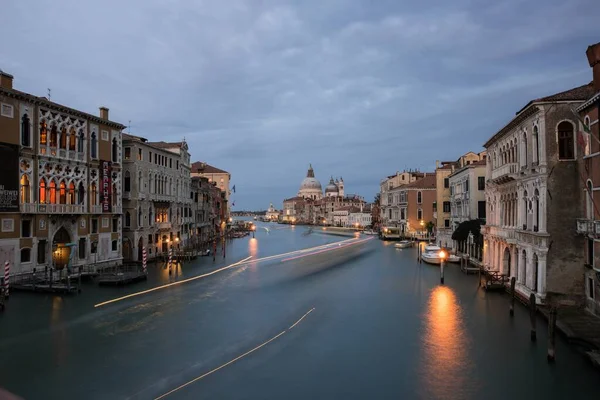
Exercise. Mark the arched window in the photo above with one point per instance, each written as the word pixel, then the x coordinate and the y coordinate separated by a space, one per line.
pixel 140 182
pixel 42 194
pixel 63 138
pixel 25 190
pixel 524 149
pixel 71 195
pixel 536 145
pixel 140 217
pixel 170 188
pixel 115 151
pixel 43 133
pixel 534 286
pixel 536 210
pixel 53 136
pixel 525 208
pixel 93 145
pixel 150 182
pixel 419 198
pixel 566 143
pixel 25 131
pixel 127 187
pixel 589 202
pixel 115 195
pixel 127 219
pixel 72 139
pixel 80 194
pixel 80 142
pixel 52 192
pixel 150 220
pixel 63 193
pixel 93 194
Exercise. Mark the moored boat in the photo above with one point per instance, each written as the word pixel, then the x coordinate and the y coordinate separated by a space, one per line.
pixel 431 257
pixel 403 244
pixel 432 248
pixel 453 258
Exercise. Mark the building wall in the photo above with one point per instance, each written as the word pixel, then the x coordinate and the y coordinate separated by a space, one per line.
pixel 443 195
pixel 428 197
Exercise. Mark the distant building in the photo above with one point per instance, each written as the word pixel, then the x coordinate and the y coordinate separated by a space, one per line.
pixel 389 195
pixel 220 177
pixel 361 218
pixel 272 214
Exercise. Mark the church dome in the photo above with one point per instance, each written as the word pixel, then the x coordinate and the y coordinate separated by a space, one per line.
pixel 331 187
pixel 310 183
pixel 310 186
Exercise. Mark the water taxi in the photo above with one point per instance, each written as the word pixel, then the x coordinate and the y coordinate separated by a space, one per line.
pixel 390 233
pixel 403 244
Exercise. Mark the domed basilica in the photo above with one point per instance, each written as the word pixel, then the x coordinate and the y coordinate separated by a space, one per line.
pixel 311 188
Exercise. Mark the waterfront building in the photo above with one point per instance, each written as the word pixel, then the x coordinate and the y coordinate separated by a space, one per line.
pixel 341 216
pixel 361 218
pixel 467 198
pixel 390 211
pixel 272 214
pixel 534 194
pixel 589 223
pixel 157 212
pixel 60 190
pixel 220 177
pixel 416 203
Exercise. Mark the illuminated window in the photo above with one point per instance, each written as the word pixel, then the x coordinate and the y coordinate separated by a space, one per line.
pixel 25 190
pixel 53 136
pixel 72 139
pixel 71 194
pixel 63 193
pixel 43 133
pixel 42 198
pixel 52 192
pixel 94 194
pixel 63 138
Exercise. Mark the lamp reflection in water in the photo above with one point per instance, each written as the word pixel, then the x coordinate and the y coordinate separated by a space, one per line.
pixel 60 345
pixel 444 362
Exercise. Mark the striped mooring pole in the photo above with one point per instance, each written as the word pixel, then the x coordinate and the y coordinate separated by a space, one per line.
pixel 144 259
pixel 6 278
pixel 170 258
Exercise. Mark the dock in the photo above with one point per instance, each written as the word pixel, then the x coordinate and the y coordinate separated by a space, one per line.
pixel 47 281
pixel 494 280
pixel 123 275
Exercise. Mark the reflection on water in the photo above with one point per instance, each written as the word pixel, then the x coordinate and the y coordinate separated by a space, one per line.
pixel 445 367
pixel 59 336
pixel 253 247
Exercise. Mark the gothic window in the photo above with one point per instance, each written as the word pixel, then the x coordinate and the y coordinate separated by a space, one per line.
pixel 566 143
pixel 25 190
pixel 63 138
pixel 536 210
pixel 93 145
pixel 127 187
pixel 53 136
pixel 42 198
pixel 525 209
pixel 71 194
pixel 139 217
pixel 43 133
pixel 63 193
pixel 127 219
pixel 80 142
pixel 25 131
pixel 52 191
pixel 524 148
pixel 115 151
pixel 94 194
pixel 80 194
pixel 72 139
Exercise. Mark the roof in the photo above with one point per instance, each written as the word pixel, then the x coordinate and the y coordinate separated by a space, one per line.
pixel 204 168
pixel 50 104
pixel 166 145
pixel 296 198
pixel 348 208
pixel 480 162
pixel 428 182
pixel 580 93
pixel 446 166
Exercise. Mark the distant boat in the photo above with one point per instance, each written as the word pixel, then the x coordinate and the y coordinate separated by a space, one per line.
pixel 369 232
pixel 403 244
pixel 255 218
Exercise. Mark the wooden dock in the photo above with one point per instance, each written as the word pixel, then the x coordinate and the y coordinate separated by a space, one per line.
pixel 494 280
pixel 47 281
pixel 123 275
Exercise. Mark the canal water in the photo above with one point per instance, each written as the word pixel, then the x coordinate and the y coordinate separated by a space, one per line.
pixel 357 322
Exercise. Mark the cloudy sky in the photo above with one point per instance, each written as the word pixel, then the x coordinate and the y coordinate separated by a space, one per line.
pixel 261 88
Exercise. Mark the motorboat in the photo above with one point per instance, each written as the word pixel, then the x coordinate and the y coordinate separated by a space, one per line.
pixel 369 232
pixel 431 257
pixel 403 244
pixel 453 258
pixel 431 248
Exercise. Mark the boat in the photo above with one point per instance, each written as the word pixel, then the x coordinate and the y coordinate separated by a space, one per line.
pixel 369 232
pixel 403 244
pixel 390 232
pixel 431 248
pixel 431 257
pixel 453 258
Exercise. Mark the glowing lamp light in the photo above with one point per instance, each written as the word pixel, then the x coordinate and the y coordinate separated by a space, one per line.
pixel 177 239
pixel 443 255
pixel 167 240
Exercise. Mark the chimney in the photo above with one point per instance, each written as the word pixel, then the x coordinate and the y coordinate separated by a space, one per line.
pixel 104 113
pixel 437 164
pixel 6 80
pixel 593 56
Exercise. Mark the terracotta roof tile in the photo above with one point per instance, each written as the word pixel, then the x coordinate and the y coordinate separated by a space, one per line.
pixel 166 145
pixel 204 168
pixel 428 182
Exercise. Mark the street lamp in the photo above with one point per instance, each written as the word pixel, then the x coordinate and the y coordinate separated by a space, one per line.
pixel 443 256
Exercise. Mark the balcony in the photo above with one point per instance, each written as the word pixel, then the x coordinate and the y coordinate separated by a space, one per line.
pixel 506 173
pixel 97 209
pixel 585 226
pixel 141 196
pixel 61 208
pixel 509 235
pixel 163 226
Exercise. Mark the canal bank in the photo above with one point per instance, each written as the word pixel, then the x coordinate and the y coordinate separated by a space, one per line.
pixel 382 327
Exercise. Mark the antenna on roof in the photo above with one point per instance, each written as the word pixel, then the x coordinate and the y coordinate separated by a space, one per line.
pixel 129 127
pixel 49 93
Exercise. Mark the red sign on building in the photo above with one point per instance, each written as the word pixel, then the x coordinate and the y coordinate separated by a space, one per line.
pixel 105 186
